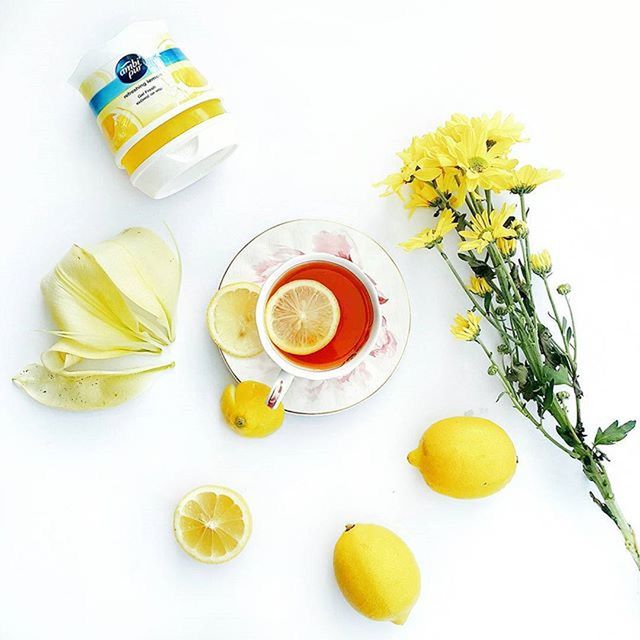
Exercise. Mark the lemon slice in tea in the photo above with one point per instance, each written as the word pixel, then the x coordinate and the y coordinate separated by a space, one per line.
pixel 231 318
pixel 302 317
pixel 212 524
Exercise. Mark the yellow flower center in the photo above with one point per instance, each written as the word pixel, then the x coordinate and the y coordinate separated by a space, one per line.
pixel 486 235
pixel 478 164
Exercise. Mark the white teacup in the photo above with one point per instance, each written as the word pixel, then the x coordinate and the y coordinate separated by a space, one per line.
pixel 290 370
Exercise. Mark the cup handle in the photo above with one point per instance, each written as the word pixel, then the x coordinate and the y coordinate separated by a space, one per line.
pixel 279 388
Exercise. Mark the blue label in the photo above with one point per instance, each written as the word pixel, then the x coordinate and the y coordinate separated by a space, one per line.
pixel 134 64
pixel 131 68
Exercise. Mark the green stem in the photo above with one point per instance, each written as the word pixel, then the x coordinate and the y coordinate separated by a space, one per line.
pixel 509 284
pixel 573 328
pixel 556 317
pixel 519 406
pixel 487 197
pixel 525 245
pixel 463 286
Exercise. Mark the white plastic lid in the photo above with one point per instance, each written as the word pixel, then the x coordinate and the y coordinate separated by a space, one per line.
pixel 187 158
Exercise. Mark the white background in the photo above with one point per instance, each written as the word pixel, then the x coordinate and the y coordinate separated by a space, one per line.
pixel 324 94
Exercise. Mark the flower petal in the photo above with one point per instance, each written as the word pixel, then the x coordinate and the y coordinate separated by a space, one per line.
pixel 147 272
pixel 84 390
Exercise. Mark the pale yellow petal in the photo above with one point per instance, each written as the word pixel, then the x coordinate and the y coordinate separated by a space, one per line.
pixel 84 390
pixel 88 308
pixel 147 272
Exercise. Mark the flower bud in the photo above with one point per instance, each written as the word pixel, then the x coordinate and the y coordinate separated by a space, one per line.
pixel 492 370
pixel 541 263
pixel 504 348
pixel 501 310
pixel 507 246
pixel 564 289
pixel 521 228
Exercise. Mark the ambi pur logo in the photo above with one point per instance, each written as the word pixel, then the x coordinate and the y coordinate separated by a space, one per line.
pixel 131 68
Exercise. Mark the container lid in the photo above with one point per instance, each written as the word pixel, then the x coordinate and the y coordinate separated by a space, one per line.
pixel 141 35
pixel 187 158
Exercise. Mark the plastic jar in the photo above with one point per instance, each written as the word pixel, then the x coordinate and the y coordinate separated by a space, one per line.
pixel 164 124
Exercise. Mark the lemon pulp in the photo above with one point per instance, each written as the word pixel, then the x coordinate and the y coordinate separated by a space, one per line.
pixel 231 319
pixel 212 524
pixel 302 317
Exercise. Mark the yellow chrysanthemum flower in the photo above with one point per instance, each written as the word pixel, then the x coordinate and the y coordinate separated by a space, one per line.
pixel 484 165
pixel 527 178
pixel 498 129
pixel 507 246
pixel 466 327
pixel 441 193
pixel 395 181
pixel 479 286
pixel 487 227
pixel 429 237
pixel 541 263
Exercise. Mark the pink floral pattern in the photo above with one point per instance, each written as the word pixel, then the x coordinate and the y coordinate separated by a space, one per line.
pixel 268 251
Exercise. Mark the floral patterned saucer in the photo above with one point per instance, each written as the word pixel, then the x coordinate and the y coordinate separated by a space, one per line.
pixel 267 251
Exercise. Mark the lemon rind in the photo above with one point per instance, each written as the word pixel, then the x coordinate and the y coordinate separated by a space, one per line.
pixel 246 516
pixel 219 342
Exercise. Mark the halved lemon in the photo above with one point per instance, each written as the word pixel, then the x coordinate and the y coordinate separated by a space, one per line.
pixel 231 318
pixel 119 125
pixel 212 524
pixel 302 317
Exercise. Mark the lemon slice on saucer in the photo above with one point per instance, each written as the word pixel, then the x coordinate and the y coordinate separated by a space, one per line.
pixel 302 317
pixel 212 524
pixel 231 318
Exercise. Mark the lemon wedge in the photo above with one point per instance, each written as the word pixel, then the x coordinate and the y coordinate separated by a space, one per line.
pixel 245 409
pixel 231 318
pixel 212 524
pixel 302 317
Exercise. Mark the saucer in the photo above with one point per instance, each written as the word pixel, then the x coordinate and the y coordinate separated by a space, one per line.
pixel 262 255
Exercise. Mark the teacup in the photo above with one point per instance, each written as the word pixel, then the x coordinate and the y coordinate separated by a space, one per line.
pixel 290 370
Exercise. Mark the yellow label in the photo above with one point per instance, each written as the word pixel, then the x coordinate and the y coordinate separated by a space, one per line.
pixel 140 91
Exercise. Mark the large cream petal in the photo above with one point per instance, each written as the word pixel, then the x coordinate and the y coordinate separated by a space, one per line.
pixel 147 272
pixel 89 310
pixel 84 390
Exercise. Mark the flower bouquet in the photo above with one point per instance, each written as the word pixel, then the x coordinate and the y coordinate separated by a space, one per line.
pixel 457 171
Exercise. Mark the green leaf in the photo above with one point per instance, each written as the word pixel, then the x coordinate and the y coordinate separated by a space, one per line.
pixel 566 435
pixel 613 433
pixel 548 397
pixel 487 303
pixel 557 376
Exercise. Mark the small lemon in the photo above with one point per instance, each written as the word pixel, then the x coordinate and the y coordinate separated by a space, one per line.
pixel 376 572
pixel 212 524
pixel 245 410
pixel 465 457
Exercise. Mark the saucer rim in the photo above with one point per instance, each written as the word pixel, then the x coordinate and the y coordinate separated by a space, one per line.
pixel 404 284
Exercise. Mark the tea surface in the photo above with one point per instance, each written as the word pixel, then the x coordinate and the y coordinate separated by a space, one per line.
pixel 356 313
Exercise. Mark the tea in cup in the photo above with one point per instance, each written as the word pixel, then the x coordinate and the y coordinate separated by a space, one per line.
pixel 326 281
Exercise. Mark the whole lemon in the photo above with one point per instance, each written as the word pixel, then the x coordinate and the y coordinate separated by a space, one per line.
pixel 245 410
pixel 376 572
pixel 465 457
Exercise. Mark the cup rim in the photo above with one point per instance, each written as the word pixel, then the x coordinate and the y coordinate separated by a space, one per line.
pixel 317 374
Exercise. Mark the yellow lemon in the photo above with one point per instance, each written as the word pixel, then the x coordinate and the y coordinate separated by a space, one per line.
pixel 302 317
pixel 212 524
pixel 245 410
pixel 189 76
pixel 376 572
pixel 465 457
pixel 120 125
pixel 231 319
